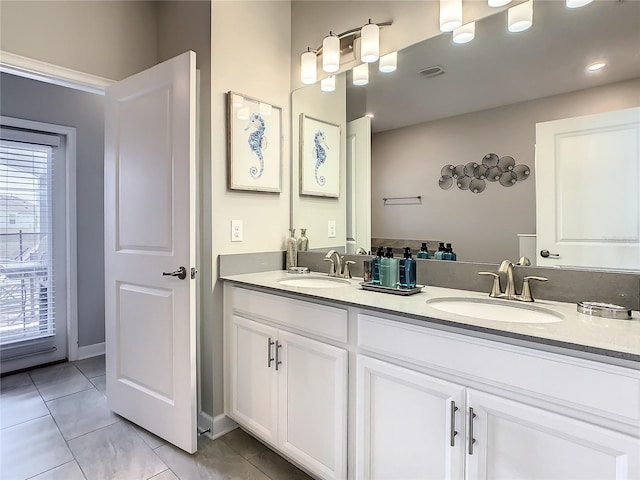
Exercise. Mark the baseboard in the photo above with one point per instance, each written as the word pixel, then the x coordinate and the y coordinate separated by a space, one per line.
pixel 91 350
pixel 217 426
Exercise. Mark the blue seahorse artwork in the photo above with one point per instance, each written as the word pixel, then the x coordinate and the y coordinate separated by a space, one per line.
pixel 320 148
pixel 257 142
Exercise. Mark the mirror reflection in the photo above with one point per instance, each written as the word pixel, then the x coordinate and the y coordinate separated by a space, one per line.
pixel 489 99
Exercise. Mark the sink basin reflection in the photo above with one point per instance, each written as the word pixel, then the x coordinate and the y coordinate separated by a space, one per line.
pixel 496 310
pixel 314 282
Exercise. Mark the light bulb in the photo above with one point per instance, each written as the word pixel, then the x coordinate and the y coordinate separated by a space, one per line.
pixel 450 15
pixel 389 62
pixel 331 53
pixel 465 33
pixel 520 17
pixel 369 42
pixel 361 74
pixel 308 68
pixel 328 84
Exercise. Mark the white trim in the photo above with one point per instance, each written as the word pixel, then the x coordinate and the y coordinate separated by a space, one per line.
pixel 218 426
pixel 71 227
pixel 90 351
pixel 49 73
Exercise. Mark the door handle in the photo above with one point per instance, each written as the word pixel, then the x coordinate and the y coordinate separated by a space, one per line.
pixel 269 357
pixel 181 273
pixel 471 439
pixel 278 361
pixel 546 254
pixel 453 433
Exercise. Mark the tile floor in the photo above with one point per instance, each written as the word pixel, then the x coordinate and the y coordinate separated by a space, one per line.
pixel 55 425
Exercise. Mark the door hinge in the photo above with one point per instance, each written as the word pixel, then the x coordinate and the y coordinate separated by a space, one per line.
pixel 194 271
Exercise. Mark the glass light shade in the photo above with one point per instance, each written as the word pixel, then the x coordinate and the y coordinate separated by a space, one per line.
pixel 370 43
pixel 498 3
pixel 520 17
pixel 237 100
pixel 331 53
pixel 328 84
pixel 265 109
pixel 389 62
pixel 361 74
pixel 450 15
pixel 308 68
pixel 465 33
pixel 243 113
pixel 577 3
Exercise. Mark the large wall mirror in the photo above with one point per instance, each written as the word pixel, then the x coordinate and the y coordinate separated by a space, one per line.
pixel 493 92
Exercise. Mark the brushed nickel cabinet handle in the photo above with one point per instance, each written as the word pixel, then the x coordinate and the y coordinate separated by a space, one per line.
pixel 269 357
pixel 453 432
pixel 471 439
pixel 278 361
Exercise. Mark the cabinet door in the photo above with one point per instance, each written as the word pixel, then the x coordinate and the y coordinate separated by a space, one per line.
pixel 405 424
pixel 254 393
pixel 313 404
pixel 513 440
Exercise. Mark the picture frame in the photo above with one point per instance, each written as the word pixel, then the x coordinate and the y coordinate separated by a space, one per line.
pixel 254 150
pixel 319 157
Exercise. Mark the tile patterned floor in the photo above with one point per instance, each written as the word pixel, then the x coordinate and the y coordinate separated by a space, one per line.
pixel 55 425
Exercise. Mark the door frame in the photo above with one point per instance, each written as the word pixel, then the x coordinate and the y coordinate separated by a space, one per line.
pixel 48 73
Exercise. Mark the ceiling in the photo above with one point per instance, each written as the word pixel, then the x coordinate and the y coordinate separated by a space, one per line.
pixel 500 68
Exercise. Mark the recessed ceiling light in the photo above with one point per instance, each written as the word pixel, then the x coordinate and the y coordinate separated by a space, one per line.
pixel 595 67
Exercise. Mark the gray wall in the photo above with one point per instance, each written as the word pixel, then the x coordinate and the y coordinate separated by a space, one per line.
pixel 31 100
pixel 482 227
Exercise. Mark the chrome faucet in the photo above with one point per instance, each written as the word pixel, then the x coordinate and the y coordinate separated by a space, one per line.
pixel 505 273
pixel 338 268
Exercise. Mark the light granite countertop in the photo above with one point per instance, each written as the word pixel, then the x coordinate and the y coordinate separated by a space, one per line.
pixel 601 339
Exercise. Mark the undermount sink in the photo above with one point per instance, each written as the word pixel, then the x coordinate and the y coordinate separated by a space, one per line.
pixel 314 282
pixel 496 310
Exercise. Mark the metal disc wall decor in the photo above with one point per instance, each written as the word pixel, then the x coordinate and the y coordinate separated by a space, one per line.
pixel 473 176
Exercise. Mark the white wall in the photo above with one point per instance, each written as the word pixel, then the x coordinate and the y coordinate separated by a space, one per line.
pixel 251 55
pixel 483 226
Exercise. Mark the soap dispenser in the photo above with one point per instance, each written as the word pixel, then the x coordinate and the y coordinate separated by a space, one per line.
pixel 452 254
pixel 407 267
pixel 440 252
pixel 375 267
pixel 424 251
pixel 292 250
pixel 389 270
pixel 303 241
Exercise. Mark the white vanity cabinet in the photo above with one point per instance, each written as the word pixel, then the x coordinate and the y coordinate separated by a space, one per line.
pixel 287 388
pixel 510 413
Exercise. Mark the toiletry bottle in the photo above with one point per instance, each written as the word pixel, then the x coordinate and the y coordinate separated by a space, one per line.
pixel 303 241
pixel 447 252
pixel 424 251
pixel 452 254
pixel 440 252
pixel 389 269
pixel 292 249
pixel 407 270
pixel 375 267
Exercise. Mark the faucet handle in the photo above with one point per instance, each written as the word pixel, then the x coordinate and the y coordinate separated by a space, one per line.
pixel 496 288
pixel 526 295
pixel 332 268
pixel 347 270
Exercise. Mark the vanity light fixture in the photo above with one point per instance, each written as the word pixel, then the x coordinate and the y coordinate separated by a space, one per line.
pixel 465 33
pixel 577 3
pixel 520 17
pixel 328 84
pixel 596 67
pixel 361 74
pixel 450 15
pixel 370 42
pixel 308 67
pixel 389 62
pixel 331 53
pixel 498 3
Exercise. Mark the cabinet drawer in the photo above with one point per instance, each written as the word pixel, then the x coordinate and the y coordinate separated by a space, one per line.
pixel 604 390
pixel 313 318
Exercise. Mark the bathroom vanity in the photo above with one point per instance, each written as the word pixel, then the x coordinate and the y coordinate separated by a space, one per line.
pixel 349 383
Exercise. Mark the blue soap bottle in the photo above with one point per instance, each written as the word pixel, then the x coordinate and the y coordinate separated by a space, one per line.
pixel 452 254
pixel 424 251
pixel 407 270
pixel 375 267
pixel 389 269
pixel 438 255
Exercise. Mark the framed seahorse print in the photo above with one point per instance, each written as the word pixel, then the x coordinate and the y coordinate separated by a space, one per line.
pixel 319 157
pixel 254 131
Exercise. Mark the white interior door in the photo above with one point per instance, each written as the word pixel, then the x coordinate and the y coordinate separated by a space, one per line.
pixel 587 195
pixel 359 184
pixel 150 229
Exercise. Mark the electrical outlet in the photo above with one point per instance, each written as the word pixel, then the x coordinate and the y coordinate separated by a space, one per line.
pixel 331 229
pixel 236 230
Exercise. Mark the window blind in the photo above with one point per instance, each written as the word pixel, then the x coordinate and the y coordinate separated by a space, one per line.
pixel 27 276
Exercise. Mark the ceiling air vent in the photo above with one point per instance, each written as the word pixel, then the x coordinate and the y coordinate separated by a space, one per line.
pixel 432 71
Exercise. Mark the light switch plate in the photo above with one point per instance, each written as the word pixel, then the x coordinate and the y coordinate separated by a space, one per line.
pixel 331 229
pixel 236 230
